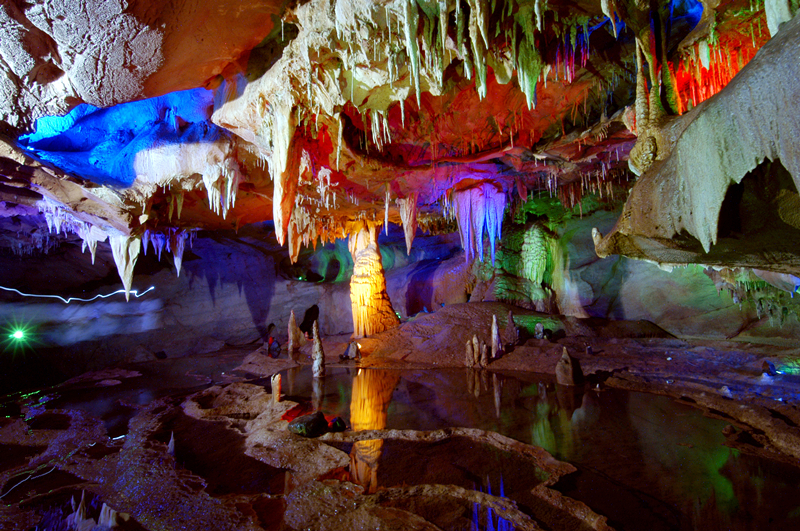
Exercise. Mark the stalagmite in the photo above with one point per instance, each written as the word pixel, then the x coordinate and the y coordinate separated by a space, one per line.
pixel 125 250
pixel 497 343
pixel 107 518
pixel 317 355
pixel 275 382
pixel 469 356
pixel 408 214
pixel 296 338
pixel 476 350
pixel 510 334
pixel 372 309
pixel 568 370
pixel 484 355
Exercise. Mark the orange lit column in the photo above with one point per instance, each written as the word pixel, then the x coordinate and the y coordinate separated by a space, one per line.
pixel 372 309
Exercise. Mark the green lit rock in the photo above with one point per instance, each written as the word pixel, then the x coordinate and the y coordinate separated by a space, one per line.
pixel 311 426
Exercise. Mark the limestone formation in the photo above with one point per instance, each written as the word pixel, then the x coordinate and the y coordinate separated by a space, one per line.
pixel 568 370
pixel 296 337
pixel 372 309
pixel 497 343
pixel 712 149
pixel 484 362
pixel 510 333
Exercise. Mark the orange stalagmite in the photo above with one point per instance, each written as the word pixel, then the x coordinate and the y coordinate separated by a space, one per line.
pixel 372 309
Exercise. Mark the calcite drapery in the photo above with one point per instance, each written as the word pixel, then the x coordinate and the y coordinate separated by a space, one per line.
pixel 372 309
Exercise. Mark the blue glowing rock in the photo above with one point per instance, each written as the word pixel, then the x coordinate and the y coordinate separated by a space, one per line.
pixel 101 144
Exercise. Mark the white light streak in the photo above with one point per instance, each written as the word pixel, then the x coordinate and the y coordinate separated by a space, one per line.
pixel 133 292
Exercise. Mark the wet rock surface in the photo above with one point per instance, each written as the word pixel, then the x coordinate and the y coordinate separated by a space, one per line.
pixel 234 461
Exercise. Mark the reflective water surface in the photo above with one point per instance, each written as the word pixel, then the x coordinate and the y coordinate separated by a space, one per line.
pixel 645 461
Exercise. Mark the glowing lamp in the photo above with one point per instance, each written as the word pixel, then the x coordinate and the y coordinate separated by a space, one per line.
pixel 18 334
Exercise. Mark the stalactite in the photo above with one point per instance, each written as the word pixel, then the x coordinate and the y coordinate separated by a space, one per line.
pixel 177 245
pixel 372 309
pixel 125 250
pixel 410 23
pixel 386 211
pixel 480 43
pixel 476 209
pixel 279 126
pixel 91 235
pixel 408 215
pixel 317 354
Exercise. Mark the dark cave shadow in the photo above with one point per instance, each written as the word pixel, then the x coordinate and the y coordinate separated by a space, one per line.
pixel 420 287
pixel 218 268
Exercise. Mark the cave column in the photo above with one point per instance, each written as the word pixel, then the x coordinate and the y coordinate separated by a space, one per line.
pixel 372 309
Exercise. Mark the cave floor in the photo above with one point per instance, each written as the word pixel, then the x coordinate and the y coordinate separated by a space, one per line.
pixel 665 433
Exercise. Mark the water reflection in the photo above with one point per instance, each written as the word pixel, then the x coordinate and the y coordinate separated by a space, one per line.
pixel 369 406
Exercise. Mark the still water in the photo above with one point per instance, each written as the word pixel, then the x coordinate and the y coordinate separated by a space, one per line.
pixel 645 461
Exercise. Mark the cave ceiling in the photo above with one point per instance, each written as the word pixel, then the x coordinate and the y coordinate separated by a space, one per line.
pixel 144 121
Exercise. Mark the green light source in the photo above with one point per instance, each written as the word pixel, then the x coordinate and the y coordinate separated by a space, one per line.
pixel 18 334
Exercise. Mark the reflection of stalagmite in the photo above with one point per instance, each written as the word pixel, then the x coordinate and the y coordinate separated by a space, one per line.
pixel 372 310
pixel 498 394
pixel 317 355
pixel 372 392
pixel 275 382
pixel 317 393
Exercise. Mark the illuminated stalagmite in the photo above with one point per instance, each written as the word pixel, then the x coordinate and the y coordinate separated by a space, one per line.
pixel 372 309
pixel 372 392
